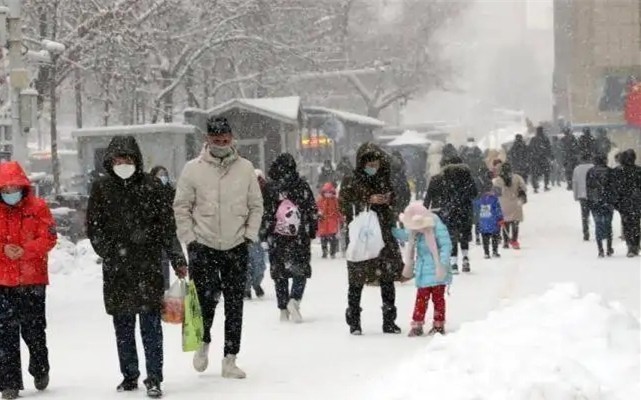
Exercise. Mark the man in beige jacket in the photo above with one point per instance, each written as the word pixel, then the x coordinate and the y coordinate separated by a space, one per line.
pixel 219 208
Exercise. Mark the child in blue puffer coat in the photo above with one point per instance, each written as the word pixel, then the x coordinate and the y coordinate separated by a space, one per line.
pixel 427 256
pixel 488 208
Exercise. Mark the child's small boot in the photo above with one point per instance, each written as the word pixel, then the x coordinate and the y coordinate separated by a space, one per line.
pixel 437 327
pixel 416 329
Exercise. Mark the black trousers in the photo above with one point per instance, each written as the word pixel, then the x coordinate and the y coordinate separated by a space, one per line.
pixel 217 273
pixel 330 242
pixel 22 313
pixel 284 293
pixel 494 238
pixel 631 230
pixel 536 176
pixel 585 217
pixel 152 341
pixel 460 236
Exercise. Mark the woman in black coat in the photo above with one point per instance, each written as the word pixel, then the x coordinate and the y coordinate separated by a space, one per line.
pixel 627 180
pixel 290 248
pixel 370 187
pixel 129 223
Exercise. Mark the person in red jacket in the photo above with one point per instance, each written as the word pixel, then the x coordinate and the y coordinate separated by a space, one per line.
pixel 329 221
pixel 27 234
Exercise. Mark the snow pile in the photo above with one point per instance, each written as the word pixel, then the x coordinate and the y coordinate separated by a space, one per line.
pixel 68 257
pixel 560 346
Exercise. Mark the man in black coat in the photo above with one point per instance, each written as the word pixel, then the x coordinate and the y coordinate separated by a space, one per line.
pixel 601 201
pixel 627 181
pixel 569 155
pixel 540 159
pixel 587 145
pixel 129 223
pixel 519 157
pixel 451 194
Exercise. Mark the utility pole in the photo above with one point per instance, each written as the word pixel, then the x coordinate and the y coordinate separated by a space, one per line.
pixel 19 79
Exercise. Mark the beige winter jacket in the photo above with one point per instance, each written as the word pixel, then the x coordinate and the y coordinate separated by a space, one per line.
pixel 218 203
pixel 511 205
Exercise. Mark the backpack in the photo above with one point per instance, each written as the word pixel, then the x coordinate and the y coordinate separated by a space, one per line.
pixel 287 218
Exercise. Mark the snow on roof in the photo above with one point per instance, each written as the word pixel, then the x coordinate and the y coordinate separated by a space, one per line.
pixel 134 130
pixel 284 109
pixel 410 138
pixel 348 116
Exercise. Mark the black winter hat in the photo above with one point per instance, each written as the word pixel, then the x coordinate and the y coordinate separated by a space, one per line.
pixel 218 126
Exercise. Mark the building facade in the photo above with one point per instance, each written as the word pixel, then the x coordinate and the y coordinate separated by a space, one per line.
pixel 597 55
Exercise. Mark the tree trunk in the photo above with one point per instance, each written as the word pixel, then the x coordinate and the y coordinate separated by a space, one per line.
pixel 78 93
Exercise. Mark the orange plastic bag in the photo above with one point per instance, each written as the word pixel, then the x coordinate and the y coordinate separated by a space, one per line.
pixel 173 311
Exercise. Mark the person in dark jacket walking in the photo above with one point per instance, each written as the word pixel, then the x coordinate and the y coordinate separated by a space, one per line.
pixel 587 145
pixel 603 145
pixel 289 225
pixel 569 155
pixel 540 157
pixel 327 174
pixel 627 180
pixel 402 191
pixel 168 190
pixel 27 234
pixel 129 224
pixel 451 194
pixel 370 187
pixel 519 157
pixel 600 197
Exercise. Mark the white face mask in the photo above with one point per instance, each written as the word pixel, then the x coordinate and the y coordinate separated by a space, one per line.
pixel 124 171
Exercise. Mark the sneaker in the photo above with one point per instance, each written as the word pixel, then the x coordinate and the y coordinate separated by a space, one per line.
pixel 284 315
pixel 392 328
pixel 128 385
pixel 260 293
pixel 201 358
pixel 515 244
pixel 294 311
pixel 355 330
pixel 10 394
pixel 454 269
pixel 153 388
pixel 416 331
pixel 466 264
pixel 230 370
pixel 487 257
pixel 496 254
pixel 41 383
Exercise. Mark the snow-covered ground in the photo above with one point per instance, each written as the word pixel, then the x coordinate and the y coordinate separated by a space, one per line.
pixel 542 348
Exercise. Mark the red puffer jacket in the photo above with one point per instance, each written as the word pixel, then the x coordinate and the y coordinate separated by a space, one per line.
pixel 330 219
pixel 30 225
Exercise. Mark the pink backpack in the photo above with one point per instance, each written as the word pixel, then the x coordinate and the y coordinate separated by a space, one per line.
pixel 287 218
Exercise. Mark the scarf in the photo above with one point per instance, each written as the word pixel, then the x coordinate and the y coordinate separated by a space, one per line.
pixel 410 254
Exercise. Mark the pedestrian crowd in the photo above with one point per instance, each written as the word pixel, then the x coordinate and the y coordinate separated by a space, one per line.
pixel 233 222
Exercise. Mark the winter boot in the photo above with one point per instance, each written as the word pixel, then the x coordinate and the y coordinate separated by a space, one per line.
pixel 353 319
pixel 496 254
pixel 610 249
pixel 437 327
pixel 294 311
pixel 128 385
pixel 201 358
pixel 515 244
pixel 230 370
pixel 284 315
pixel 416 329
pixel 466 264
pixel 10 394
pixel 153 388
pixel 389 320
pixel 260 293
pixel 600 248
pixel 41 382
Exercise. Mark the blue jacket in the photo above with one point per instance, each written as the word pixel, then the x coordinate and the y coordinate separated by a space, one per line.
pixel 424 268
pixel 489 211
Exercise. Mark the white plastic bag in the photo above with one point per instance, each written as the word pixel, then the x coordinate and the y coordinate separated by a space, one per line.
pixel 365 237
pixel 173 311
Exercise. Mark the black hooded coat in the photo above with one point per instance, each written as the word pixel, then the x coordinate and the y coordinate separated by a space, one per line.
pixel 129 223
pixel 288 256
pixel 356 190
pixel 627 181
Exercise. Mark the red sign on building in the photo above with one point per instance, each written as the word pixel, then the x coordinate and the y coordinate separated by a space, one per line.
pixel 633 105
